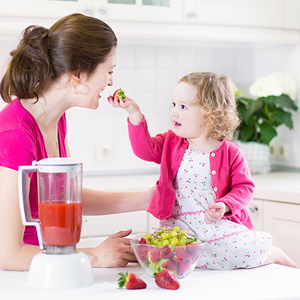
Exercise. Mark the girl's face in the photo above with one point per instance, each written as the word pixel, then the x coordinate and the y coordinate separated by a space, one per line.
pixel 93 86
pixel 185 117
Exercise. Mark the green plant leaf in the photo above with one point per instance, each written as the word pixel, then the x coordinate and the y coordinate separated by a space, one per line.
pixel 283 117
pixel 267 132
pixel 247 107
pixel 259 118
pixel 245 132
pixel 283 101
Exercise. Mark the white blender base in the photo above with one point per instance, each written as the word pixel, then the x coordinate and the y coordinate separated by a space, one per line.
pixel 66 271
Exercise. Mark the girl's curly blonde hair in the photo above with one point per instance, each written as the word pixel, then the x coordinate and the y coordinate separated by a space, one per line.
pixel 217 103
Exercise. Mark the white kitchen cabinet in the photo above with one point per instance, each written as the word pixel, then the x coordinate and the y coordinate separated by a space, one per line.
pixel 95 226
pixel 44 8
pixel 116 10
pixel 282 221
pixel 291 19
pixel 254 13
pixel 138 10
pixel 255 210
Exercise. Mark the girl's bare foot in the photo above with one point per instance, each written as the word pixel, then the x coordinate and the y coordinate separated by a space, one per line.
pixel 279 257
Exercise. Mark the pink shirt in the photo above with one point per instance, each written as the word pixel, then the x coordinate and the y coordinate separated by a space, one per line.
pixel 21 142
pixel 230 173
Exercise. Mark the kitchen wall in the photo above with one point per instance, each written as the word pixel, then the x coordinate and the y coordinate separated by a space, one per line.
pixel 148 71
pixel 284 58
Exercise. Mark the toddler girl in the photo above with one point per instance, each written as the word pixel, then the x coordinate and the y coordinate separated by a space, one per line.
pixel 205 183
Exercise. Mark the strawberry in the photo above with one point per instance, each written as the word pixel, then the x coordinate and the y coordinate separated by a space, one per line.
pixel 183 267
pixel 169 264
pixel 154 254
pixel 167 280
pixel 166 252
pixel 195 250
pixel 120 94
pixel 182 255
pixel 143 241
pixel 142 251
pixel 131 281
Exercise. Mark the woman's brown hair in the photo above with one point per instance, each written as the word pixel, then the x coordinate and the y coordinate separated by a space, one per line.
pixel 74 44
pixel 216 100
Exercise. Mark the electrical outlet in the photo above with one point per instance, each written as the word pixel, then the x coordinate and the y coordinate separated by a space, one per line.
pixel 279 150
pixel 103 152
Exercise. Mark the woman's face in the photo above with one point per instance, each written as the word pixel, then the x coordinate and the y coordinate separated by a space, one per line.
pixel 93 86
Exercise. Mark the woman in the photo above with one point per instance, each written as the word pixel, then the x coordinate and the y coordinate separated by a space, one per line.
pixel 50 71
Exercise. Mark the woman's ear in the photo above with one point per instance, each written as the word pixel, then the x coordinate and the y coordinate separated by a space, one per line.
pixel 76 77
pixel 76 80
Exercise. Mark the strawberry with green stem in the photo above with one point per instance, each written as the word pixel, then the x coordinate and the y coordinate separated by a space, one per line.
pixel 131 281
pixel 120 94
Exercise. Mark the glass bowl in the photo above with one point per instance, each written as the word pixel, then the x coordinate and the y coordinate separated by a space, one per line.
pixel 181 260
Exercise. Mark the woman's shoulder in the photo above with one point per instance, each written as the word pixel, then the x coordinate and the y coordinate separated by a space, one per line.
pixel 15 117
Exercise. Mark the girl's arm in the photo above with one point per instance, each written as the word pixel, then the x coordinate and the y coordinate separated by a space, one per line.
pixel 241 188
pixel 135 114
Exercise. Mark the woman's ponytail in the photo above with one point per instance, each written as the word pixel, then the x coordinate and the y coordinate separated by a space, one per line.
pixel 30 65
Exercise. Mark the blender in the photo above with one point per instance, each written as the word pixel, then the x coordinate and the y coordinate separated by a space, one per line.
pixel 59 265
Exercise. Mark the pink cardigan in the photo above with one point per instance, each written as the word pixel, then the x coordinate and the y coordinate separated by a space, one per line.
pixel 231 178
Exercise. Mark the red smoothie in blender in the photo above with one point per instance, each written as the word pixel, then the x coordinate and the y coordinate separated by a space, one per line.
pixel 60 222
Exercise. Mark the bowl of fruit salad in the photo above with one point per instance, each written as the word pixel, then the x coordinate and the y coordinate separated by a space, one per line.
pixel 168 248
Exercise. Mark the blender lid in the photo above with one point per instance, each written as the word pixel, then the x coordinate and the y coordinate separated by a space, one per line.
pixel 58 164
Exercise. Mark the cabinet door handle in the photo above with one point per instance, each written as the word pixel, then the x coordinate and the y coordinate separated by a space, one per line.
pixel 192 15
pixel 102 10
pixel 88 10
pixel 253 208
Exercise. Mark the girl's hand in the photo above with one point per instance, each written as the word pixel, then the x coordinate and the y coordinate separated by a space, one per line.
pixel 135 114
pixel 127 104
pixel 215 212
pixel 114 252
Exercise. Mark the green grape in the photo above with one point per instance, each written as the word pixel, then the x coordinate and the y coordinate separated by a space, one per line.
pixel 164 235
pixel 174 241
pixel 182 241
pixel 155 241
pixel 176 228
pixel 165 242
pixel 183 232
pixel 173 233
pixel 147 236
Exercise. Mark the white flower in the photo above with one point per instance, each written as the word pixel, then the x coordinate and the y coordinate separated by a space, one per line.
pixel 275 84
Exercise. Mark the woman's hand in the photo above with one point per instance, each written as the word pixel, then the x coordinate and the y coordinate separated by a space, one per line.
pixel 215 212
pixel 114 252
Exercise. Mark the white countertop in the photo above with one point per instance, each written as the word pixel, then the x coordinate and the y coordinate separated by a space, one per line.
pixel 268 282
pixel 277 186
pixel 265 283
